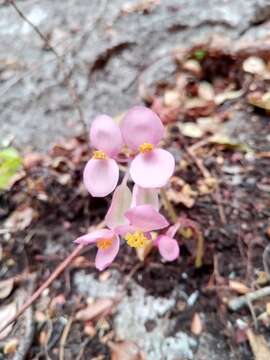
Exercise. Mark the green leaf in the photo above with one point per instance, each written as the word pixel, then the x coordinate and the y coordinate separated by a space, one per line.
pixel 199 54
pixel 10 163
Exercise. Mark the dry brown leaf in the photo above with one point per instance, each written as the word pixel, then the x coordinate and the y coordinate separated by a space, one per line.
pixel 196 324
pixel 191 130
pixel 172 98
pixel 207 185
pixel 6 286
pixel 206 91
pixel 254 65
pixel 32 159
pixel 228 95
pixel 258 346
pixel 260 100
pixel 6 313
pixel 99 307
pixel 20 219
pixel 181 193
pixel 193 66
pixel 11 346
pixel 126 350
pixel 239 287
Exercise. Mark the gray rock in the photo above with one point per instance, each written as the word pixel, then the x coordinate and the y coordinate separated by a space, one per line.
pixel 107 53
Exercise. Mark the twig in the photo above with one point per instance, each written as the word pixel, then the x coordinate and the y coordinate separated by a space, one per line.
pixel 237 303
pixel 28 334
pixel 266 260
pixel 82 349
pixel 199 163
pixel 64 338
pixel 61 267
pixel 70 86
pixel 217 199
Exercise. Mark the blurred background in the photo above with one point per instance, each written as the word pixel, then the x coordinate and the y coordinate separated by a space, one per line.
pixel 204 67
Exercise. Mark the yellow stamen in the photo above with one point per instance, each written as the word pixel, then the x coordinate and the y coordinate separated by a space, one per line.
pixel 104 244
pixel 99 155
pixel 146 148
pixel 136 240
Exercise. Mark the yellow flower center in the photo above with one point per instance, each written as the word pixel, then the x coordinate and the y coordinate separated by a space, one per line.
pixel 146 148
pixel 104 244
pixel 136 240
pixel 99 155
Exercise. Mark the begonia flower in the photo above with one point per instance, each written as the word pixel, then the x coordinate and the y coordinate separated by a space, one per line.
pixel 107 242
pixel 143 196
pixel 142 131
pixel 142 220
pixel 168 247
pixel 101 173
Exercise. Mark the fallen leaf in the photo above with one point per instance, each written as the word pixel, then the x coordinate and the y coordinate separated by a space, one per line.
pixel 98 308
pixel 239 287
pixel 196 324
pixel 193 66
pixel 10 163
pixel 20 219
pixel 181 193
pixel 6 313
pixel 254 65
pixel 262 278
pixel 207 185
pixel 172 98
pixel 6 286
pixel 227 141
pixel 191 130
pixel 228 95
pixel 258 346
pixel 126 350
pixel 260 100
pixel 206 91
pixel 32 159
pixel 11 346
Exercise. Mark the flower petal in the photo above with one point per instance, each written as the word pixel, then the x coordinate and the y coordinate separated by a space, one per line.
pixel 120 204
pixel 141 125
pixel 106 135
pixel 172 230
pixel 146 218
pixel 142 196
pixel 95 236
pixel 105 257
pixel 100 176
pixel 122 230
pixel 168 248
pixel 152 170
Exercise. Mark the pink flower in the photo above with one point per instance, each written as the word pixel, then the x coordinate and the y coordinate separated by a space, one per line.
pixel 101 173
pixel 142 220
pixel 168 247
pixel 142 130
pixel 142 196
pixel 107 242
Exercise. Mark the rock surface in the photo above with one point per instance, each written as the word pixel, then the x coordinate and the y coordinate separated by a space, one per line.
pixel 107 51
